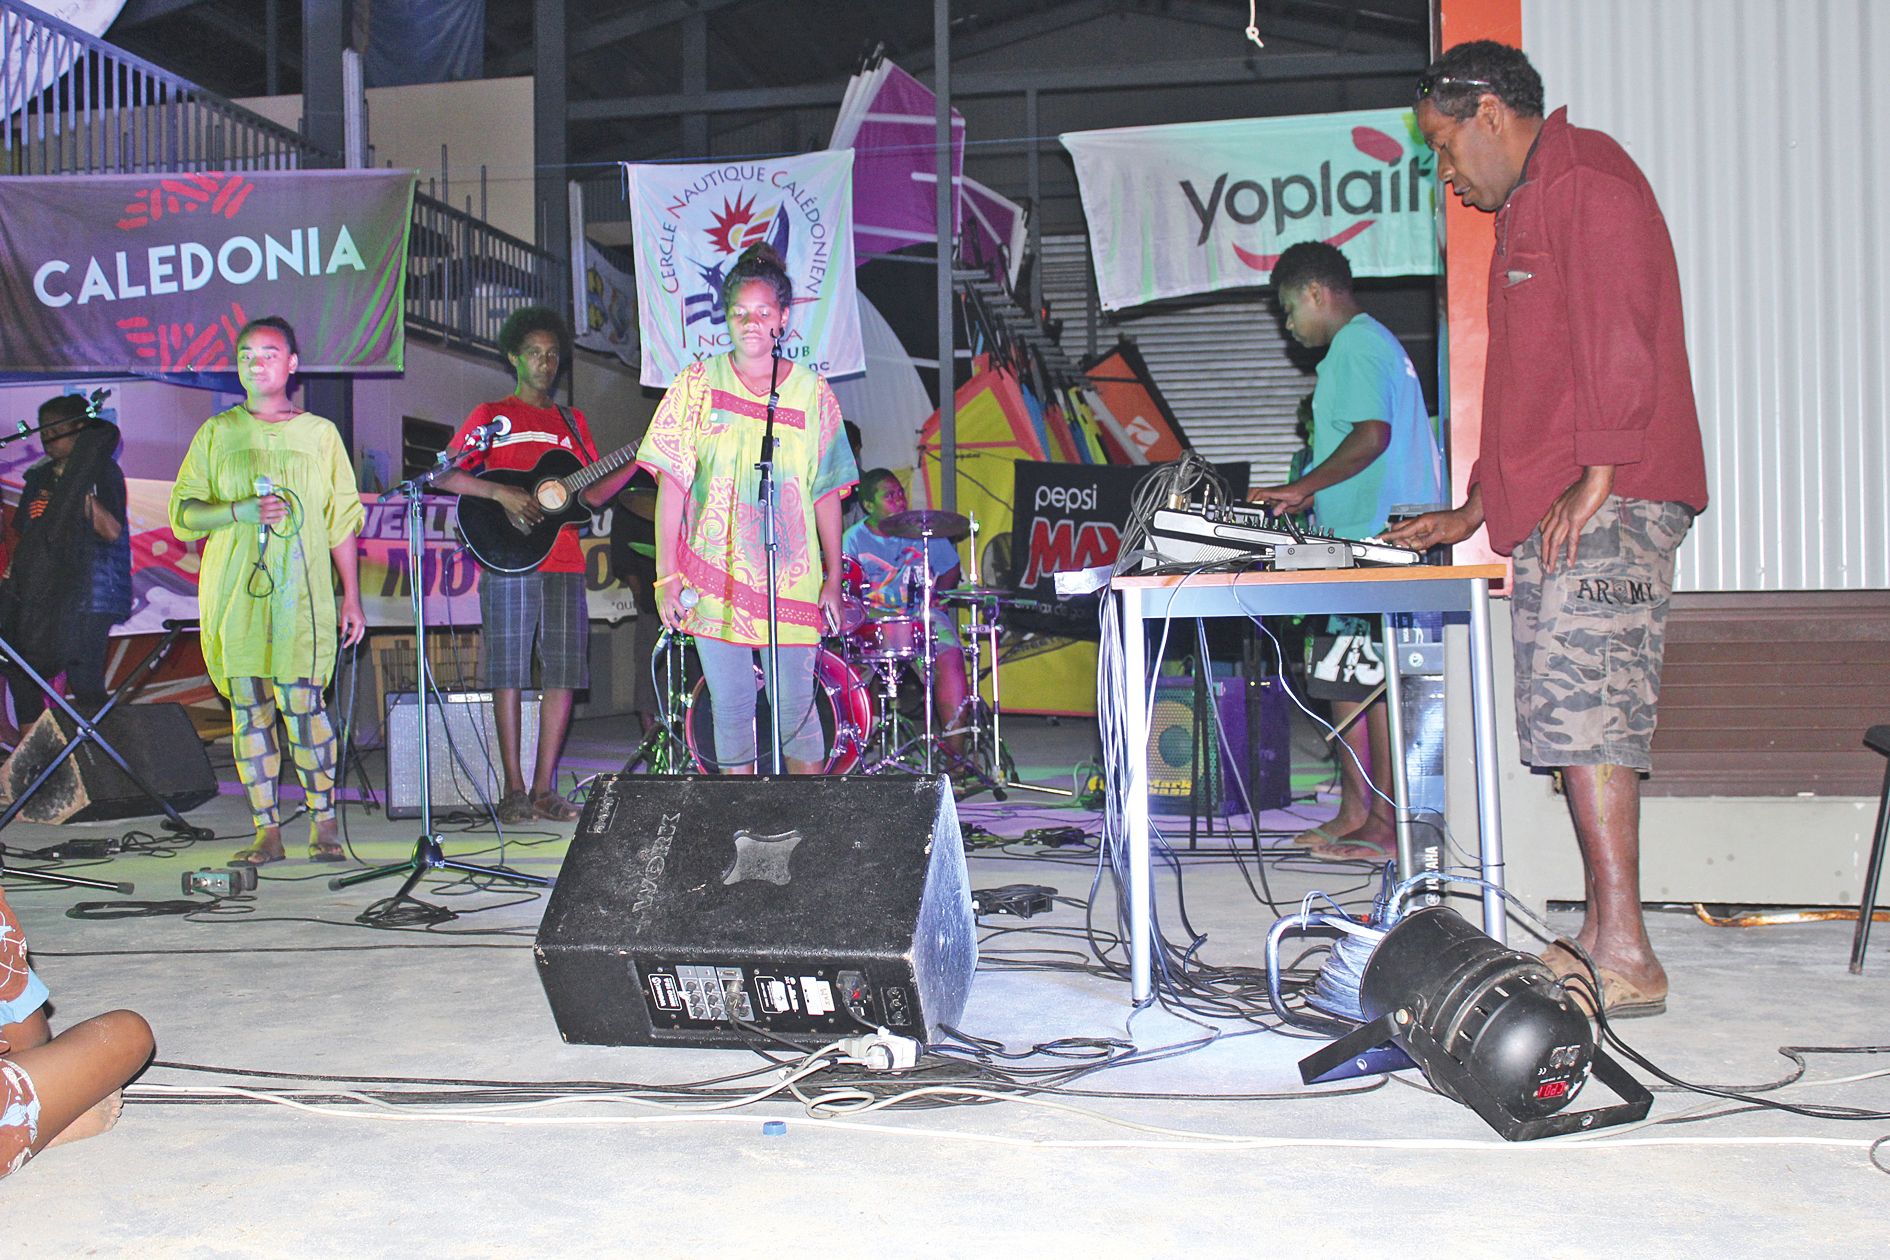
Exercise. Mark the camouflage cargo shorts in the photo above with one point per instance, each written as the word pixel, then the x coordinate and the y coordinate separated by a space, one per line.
pixel 1590 637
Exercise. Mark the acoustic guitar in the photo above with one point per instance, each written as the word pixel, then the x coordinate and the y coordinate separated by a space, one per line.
pixel 503 543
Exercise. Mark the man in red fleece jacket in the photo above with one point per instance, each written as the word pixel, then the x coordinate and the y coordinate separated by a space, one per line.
pixel 1590 469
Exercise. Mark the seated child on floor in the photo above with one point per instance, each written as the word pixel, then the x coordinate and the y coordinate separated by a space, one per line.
pixel 56 1089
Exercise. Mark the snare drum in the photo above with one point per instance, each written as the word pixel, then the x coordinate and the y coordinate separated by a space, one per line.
pixel 888 638
pixel 841 700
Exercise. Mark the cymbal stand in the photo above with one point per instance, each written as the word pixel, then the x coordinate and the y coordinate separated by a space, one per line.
pixel 665 749
pixel 928 645
pixel 427 853
pixel 985 631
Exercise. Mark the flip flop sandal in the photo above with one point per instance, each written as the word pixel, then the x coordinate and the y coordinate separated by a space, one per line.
pixel 324 849
pixel 1325 837
pixel 1563 961
pixel 1621 998
pixel 1380 851
pixel 255 855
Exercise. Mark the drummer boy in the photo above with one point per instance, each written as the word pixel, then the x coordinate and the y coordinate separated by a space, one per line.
pixel 893 575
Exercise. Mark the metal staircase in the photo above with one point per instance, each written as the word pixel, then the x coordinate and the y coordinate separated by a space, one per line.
pixel 73 104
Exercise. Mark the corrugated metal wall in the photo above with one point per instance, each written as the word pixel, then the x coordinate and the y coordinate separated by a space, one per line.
pixel 1222 365
pixel 1762 125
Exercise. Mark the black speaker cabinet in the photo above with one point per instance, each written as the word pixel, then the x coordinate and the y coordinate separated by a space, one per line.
pixel 811 907
pixel 156 740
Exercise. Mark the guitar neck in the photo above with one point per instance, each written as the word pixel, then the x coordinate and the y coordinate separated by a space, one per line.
pixel 591 474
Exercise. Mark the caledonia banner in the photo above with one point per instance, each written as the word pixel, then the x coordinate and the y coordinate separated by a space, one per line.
pixel 157 273
pixel 692 222
pixel 1204 206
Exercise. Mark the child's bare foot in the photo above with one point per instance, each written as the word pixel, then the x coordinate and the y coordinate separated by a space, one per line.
pixel 101 1116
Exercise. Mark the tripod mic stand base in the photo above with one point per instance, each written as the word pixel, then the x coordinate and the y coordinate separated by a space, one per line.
pixel 427 856
pixel 60 877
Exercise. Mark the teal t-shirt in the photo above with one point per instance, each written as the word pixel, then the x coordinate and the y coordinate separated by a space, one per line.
pixel 1366 375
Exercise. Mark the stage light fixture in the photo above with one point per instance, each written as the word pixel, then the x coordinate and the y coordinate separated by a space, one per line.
pixel 1491 1028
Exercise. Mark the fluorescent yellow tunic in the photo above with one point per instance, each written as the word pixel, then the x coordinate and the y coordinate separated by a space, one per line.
pixel 706 435
pixel 282 625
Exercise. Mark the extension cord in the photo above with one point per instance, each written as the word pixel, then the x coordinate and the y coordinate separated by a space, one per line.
pixel 882 1051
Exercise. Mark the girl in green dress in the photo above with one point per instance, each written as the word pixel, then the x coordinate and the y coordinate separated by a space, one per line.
pixel 266 587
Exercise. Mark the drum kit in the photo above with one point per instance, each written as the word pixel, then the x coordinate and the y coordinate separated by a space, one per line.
pixel 868 726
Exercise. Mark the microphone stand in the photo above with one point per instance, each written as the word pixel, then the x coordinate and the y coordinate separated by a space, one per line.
pixel 771 544
pixel 427 855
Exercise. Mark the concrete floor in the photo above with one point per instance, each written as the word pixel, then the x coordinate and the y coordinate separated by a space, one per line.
pixel 288 983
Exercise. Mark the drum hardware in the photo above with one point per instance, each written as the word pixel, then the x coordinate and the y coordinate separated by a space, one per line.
pixel 665 747
pixel 987 606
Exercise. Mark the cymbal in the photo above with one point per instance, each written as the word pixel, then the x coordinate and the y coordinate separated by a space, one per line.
pixel 639 501
pixel 922 521
pixel 977 594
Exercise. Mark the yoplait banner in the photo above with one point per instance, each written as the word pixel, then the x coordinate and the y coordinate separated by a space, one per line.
pixel 158 272
pixel 1199 207
pixel 1071 516
pixel 692 222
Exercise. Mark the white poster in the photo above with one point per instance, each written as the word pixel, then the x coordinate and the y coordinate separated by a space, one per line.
pixel 692 222
pixel 606 306
pixel 1198 207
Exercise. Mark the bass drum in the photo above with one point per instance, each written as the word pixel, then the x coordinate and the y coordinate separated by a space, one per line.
pixel 841 699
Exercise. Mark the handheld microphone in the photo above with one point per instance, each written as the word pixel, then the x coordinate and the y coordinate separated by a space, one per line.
pixel 264 488
pixel 483 436
pixel 688 597
pixel 95 400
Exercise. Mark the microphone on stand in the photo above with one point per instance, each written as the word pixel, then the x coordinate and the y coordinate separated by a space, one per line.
pixel 264 488
pixel 482 437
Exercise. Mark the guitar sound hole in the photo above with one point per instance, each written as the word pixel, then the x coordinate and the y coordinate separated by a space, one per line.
pixel 552 496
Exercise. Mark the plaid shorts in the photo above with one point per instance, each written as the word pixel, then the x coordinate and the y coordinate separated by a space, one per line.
pixel 526 610
pixel 1590 637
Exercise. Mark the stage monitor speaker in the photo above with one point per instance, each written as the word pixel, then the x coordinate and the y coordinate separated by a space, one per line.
pixel 156 740
pixel 462 750
pixel 1253 733
pixel 808 907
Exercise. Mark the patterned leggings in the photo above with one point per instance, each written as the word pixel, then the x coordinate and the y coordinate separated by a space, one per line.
pixel 254 705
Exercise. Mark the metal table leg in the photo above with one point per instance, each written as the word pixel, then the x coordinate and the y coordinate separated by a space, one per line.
pixel 1408 864
pixel 1135 800
pixel 1483 722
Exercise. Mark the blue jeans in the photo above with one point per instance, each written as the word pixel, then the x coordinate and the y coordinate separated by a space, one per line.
pixel 729 671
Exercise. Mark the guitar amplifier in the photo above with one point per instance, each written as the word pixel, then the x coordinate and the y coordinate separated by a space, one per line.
pixel 462 750
pixel 1244 762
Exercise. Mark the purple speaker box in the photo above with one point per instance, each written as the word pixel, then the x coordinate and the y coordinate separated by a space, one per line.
pixel 1252 735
